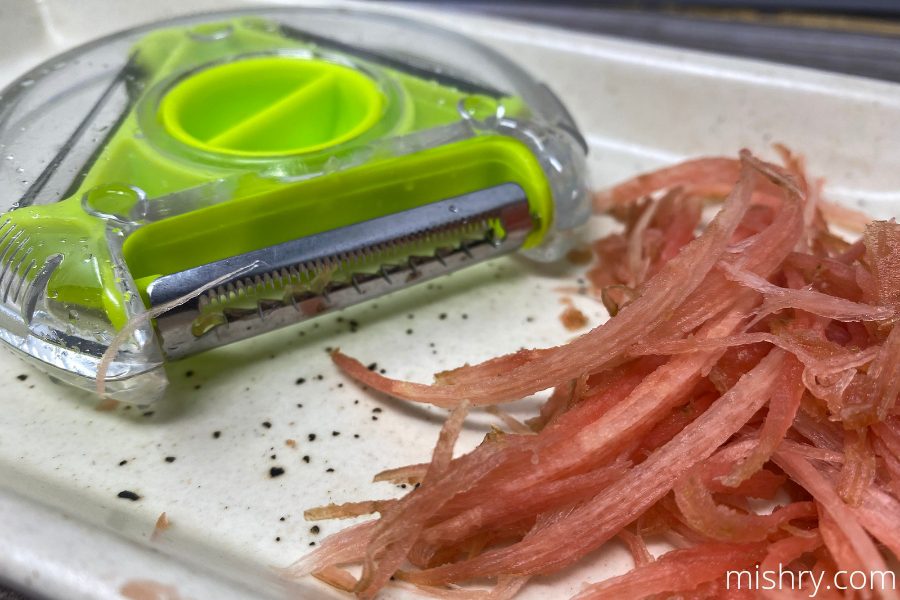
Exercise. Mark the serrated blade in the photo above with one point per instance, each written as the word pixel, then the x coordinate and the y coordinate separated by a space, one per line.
pixel 305 277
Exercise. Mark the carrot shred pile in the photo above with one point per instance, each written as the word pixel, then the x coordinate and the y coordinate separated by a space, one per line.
pixel 755 357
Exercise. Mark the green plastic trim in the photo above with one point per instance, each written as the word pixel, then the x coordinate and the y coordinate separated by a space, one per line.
pixel 178 135
pixel 292 107
pixel 288 211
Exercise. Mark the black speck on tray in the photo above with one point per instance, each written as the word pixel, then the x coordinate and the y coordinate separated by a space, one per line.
pixel 122 463
pixel 267 424
pixel 128 495
pixel 170 459
pixel 372 366
pixel 216 434
pixel 306 459
pixel 22 377
pixel 314 530
pixel 300 381
pixel 311 437
pixel 276 472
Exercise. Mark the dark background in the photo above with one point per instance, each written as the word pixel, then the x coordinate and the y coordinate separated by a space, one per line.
pixel 858 38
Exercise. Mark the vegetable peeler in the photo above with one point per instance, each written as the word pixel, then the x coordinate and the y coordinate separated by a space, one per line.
pixel 208 179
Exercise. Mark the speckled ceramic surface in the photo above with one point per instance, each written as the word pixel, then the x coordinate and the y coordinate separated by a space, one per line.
pixel 251 435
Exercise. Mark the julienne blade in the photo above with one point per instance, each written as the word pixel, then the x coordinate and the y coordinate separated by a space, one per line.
pixel 553 366
pixel 755 359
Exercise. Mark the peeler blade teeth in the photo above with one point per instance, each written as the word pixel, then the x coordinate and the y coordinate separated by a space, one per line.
pixel 334 269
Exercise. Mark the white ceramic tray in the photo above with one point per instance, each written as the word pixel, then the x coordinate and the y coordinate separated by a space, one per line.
pixel 65 534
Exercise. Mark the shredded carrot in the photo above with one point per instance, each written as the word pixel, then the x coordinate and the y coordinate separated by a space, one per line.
pixel 757 357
